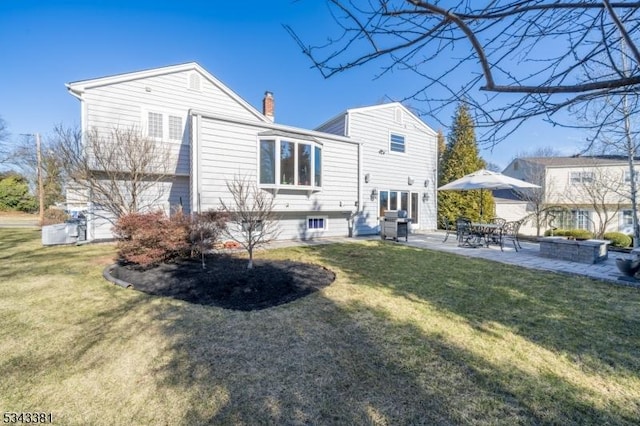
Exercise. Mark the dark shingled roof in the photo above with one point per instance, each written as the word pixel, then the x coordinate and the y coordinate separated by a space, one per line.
pixel 587 161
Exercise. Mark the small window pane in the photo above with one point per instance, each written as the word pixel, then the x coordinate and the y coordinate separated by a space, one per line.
pixel 404 201
pixel 304 164
pixel 317 174
pixel 287 164
pixel 175 127
pixel 267 161
pixel 384 202
pixel 155 125
pixel 397 143
pixel 393 201
pixel 414 208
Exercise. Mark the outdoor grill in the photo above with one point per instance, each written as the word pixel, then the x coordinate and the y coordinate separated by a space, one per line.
pixel 395 224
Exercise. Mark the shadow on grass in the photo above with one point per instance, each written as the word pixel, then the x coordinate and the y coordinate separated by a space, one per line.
pixel 592 322
pixel 333 357
pixel 318 362
pixel 11 238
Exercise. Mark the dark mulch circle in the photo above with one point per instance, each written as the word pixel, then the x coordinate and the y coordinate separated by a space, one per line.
pixel 226 282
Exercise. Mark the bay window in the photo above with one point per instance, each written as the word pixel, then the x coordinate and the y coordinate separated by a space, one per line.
pixel 290 163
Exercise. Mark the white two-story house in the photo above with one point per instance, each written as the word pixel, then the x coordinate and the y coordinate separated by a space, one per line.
pixel 335 180
pixel 590 193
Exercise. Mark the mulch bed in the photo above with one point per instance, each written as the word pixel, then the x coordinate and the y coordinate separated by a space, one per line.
pixel 226 282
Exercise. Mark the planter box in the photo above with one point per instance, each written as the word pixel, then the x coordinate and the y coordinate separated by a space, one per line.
pixel 585 251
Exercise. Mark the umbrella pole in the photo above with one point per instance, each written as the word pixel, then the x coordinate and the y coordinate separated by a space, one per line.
pixel 481 212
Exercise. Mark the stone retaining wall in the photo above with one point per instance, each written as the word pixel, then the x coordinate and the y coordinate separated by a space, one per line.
pixel 583 251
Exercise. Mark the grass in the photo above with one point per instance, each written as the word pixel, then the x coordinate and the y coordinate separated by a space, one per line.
pixel 403 336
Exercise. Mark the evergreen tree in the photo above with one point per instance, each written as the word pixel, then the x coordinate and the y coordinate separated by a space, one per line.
pixel 461 158
pixel 442 148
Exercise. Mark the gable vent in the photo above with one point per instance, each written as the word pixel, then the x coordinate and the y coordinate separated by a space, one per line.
pixel 194 81
pixel 399 116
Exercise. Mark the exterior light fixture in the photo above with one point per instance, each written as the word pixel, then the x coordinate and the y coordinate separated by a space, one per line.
pixel 425 197
pixel 410 180
pixel 367 178
pixel 374 194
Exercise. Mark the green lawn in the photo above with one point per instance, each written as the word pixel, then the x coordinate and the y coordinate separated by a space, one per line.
pixel 404 336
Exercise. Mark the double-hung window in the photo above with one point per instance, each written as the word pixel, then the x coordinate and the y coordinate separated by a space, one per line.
pixel 164 126
pixel 155 125
pixel 581 177
pixel 289 163
pixel 396 143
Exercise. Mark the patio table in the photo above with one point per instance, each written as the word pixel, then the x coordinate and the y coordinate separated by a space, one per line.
pixel 490 233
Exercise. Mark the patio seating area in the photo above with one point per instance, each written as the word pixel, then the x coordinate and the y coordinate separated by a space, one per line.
pixel 527 256
pixel 495 231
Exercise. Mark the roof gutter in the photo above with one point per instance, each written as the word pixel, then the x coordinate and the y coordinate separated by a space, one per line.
pixel 74 92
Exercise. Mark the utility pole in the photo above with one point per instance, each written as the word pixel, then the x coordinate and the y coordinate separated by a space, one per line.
pixel 40 182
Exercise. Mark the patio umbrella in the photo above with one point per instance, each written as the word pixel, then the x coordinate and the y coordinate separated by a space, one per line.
pixel 486 179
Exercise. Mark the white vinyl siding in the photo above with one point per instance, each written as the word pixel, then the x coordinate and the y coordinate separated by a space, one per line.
pixel 218 164
pixel 391 171
pixel 335 126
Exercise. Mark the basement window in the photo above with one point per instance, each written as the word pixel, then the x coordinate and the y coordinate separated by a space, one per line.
pixel 316 223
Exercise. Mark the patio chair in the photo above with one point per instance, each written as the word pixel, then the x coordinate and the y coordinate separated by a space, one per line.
pixel 495 237
pixel 498 221
pixel 510 232
pixel 464 232
pixel 447 226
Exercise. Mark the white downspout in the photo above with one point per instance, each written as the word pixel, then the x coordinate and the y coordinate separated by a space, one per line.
pixel 196 164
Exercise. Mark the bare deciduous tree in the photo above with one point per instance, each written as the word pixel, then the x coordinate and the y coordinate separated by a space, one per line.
pixel 617 133
pixel 537 199
pixel 122 171
pixel 252 212
pixel 4 135
pixel 24 156
pixel 509 60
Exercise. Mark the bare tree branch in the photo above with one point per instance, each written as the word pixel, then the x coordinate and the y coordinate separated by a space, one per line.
pixel 251 210
pixel 120 170
pixel 508 60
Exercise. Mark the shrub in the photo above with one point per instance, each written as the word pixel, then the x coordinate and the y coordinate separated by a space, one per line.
pixel 580 234
pixel 618 239
pixel 14 194
pixel 573 233
pixel 147 239
pixel 53 216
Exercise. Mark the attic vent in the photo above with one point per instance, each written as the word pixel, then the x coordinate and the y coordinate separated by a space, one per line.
pixel 194 81
pixel 399 115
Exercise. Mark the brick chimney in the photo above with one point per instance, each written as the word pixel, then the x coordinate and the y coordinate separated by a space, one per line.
pixel 268 105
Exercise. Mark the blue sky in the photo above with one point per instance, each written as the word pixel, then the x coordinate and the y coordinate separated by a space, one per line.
pixel 47 43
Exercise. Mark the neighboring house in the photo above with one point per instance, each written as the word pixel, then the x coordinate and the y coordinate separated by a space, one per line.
pixel 332 181
pixel 582 192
